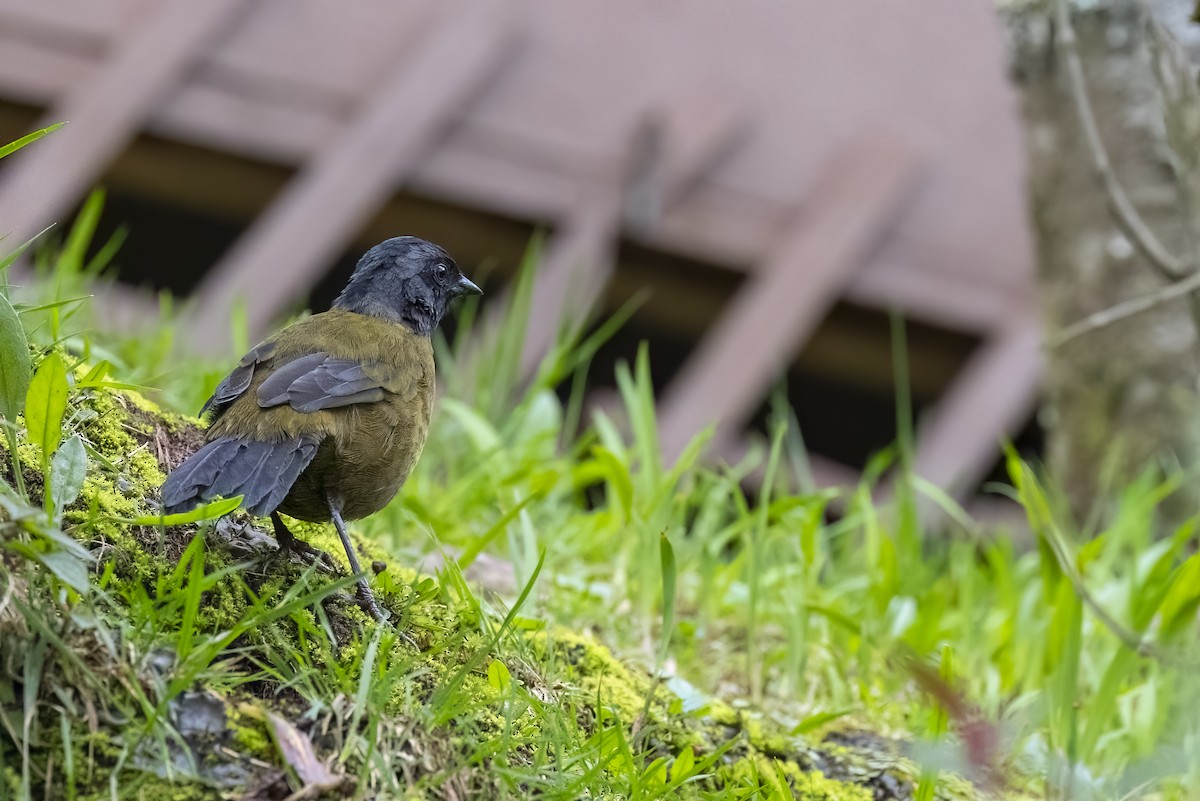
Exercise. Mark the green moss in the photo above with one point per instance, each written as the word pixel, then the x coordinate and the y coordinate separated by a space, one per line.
pixel 147 787
pixel 596 673
pixel 779 779
pixel 250 734
pixel 440 696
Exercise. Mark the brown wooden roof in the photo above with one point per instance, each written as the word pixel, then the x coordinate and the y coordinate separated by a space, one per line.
pixel 830 149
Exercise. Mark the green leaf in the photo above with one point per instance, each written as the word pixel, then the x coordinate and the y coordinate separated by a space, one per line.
pixel 97 373
pixel 15 365
pixel 499 677
pixel 1178 609
pixel 70 258
pixel 8 259
pixel 667 557
pixel 45 406
pixel 66 543
pixel 209 511
pixel 27 139
pixel 15 505
pixel 68 470
pixel 478 429
pixel 68 567
pixel 57 304
pixel 655 774
pixel 813 722
pixel 683 764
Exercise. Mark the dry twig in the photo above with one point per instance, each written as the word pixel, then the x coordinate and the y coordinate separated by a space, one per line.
pixel 1125 310
pixel 1184 279
pixel 1123 209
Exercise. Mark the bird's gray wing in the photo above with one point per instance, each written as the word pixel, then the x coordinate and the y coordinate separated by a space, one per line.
pixel 319 381
pixel 237 382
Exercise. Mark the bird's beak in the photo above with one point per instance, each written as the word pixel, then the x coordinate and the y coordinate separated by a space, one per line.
pixel 465 286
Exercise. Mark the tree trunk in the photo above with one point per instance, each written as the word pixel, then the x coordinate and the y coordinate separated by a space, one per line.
pixel 1120 397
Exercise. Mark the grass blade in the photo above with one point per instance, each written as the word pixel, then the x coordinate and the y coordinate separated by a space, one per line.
pixel 208 511
pixel 667 558
pixel 28 139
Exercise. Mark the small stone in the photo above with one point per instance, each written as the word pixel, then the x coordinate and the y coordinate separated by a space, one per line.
pixel 378 566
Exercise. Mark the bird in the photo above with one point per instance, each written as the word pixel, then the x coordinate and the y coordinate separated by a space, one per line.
pixel 325 420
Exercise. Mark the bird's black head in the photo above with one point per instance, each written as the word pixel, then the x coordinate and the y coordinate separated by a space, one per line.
pixel 407 280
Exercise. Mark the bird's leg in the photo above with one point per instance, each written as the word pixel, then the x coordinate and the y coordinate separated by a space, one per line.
pixel 365 597
pixel 289 542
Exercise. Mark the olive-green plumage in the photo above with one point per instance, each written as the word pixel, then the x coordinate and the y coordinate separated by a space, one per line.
pixel 326 419
pixel 367 450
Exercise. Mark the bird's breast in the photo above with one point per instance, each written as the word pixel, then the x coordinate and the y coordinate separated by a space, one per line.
pixel 376 451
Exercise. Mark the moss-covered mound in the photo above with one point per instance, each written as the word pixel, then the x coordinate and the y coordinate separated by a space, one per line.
pixel 200 663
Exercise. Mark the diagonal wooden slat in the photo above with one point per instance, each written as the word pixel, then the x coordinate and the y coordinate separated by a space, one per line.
pixel 106 110
pixel 324 206
pixel 717 224
pixel 571 277
pixel 852 204
pixel 671 148
pixel 991 398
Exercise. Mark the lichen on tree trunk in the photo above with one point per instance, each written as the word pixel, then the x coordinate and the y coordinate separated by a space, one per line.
pixel 1122 397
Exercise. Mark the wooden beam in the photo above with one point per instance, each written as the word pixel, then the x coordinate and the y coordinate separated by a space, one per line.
pixel 674 146
pixel 573 273
pixel 851 206
pixel 106 110
pixel 991 398
pixel 670 149
pixel 718 224
pixel 323 207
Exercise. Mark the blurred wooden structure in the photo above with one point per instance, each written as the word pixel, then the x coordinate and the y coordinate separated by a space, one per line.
pixel 827 150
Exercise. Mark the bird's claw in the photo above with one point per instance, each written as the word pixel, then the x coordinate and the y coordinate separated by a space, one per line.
pixel 366 599
pixel 310 555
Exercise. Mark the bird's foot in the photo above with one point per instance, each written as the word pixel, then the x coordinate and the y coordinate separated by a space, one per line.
pixel 311 555
pixel 289 543
pixel 366 599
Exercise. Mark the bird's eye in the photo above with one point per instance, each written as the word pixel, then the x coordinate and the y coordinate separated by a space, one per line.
pixel 439 270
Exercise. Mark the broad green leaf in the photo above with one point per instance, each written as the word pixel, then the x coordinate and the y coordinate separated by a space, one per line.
pixel 68 470
pixel 499 677
pixel 27 139
pixel 209 511
pixel 15 365
pixel 68 567
pixel 15 505
pixel 45 406
pixel 683 764
pixel 655 773
pixel 66 543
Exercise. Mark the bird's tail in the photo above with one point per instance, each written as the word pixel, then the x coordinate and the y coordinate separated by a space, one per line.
pixel 261 472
